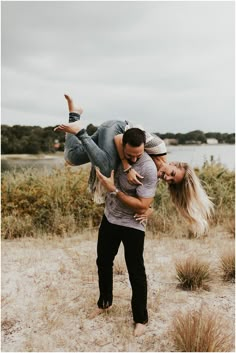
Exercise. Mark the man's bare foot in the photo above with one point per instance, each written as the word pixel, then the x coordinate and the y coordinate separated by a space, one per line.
pixel 72 128
pixel 99 311
pixel 72 107
pixel 139 330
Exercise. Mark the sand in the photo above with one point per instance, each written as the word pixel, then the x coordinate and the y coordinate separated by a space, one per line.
pixel 49 288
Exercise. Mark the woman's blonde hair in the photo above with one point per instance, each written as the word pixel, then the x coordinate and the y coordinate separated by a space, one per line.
pixel 191 199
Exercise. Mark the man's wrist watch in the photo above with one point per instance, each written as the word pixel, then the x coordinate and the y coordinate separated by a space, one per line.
pixel 115 192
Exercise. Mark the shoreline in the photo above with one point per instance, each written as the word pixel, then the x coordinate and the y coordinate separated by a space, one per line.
pixel 60 154
pixel 32 156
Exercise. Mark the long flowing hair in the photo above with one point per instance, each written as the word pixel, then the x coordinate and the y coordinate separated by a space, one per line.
pixel 191 199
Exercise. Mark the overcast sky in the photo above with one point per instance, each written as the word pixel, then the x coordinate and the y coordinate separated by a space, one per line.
pixel 166 65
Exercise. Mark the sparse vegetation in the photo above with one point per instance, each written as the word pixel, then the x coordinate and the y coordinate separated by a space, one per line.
pixel 119 266
pixel 192 273
pixel 200 331
pixel 227 265
pixel 50 288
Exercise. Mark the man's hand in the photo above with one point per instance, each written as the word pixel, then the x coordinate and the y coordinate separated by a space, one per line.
pixel 137 204
pixel 108 183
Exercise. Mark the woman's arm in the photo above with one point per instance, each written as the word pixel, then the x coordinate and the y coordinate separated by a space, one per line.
pixel 139 204
pixel 132 175
pixel 119 146
pixel 143 217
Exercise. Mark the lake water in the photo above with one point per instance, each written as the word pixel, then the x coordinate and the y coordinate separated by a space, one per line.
pixel 196 156
pixel 192 154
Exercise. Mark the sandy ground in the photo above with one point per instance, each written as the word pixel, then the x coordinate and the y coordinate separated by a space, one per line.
pixel 49 288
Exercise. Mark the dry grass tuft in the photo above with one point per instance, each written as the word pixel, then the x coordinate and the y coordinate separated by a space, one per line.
pixel 227 265
pixel 13 226
pixel 192 274
pixel 230 226
pixel 8 326
pixel 200 331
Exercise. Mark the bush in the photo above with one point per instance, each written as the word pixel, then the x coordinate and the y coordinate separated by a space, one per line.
pixel 219 184
pixel 53 203
pixel 200 331
pixel 192 273
pixel 62 195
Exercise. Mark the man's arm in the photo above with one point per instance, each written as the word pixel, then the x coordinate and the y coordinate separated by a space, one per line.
pixel 138 204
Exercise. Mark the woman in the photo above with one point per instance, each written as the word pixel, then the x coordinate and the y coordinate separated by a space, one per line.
pixel 104 150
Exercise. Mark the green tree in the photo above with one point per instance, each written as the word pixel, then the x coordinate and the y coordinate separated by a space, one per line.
pixel 196 135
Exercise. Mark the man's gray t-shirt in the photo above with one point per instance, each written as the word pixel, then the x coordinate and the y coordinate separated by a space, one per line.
pixel 116 211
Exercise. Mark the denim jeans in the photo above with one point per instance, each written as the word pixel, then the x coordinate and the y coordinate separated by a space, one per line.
pixel 99 149
pixel 109 238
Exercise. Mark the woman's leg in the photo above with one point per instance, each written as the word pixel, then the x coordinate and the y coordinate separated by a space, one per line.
pixel 74 152
pixel 103 153
pixel 99 149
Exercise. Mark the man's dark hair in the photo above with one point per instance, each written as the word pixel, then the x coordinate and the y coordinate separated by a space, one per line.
pixel 134 137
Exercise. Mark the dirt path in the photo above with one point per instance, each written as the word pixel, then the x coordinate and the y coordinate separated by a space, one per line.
pixel 50 286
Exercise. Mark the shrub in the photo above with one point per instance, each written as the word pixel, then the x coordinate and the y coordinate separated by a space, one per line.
pixel 200 331
pixel 160 221
pixel 219 184
pixel 227 265
pixel 55 203
pixel 192 273
pixel 62 194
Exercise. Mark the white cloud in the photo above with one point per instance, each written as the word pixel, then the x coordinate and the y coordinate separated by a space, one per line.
pixel 169 65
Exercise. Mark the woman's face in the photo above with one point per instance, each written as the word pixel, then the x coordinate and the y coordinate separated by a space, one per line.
pixel 170 173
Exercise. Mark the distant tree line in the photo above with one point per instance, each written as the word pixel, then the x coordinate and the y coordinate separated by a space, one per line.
pixel 20 139
pixel 198 136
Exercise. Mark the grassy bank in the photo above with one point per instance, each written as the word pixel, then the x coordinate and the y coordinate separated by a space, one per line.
pixel 58 203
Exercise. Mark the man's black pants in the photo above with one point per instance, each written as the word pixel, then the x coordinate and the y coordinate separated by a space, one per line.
pixel 109 238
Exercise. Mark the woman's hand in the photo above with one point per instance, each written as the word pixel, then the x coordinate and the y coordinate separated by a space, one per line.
pixel 133 176
pixel 142 218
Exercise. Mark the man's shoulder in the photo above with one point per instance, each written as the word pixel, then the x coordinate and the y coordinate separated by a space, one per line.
pixel 147 161
pixel 147 168
pixel 149 172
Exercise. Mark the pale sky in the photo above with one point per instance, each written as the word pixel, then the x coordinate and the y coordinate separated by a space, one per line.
pixel 168 66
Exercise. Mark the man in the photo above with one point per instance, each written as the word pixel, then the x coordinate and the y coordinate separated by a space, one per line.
pixel 119 225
